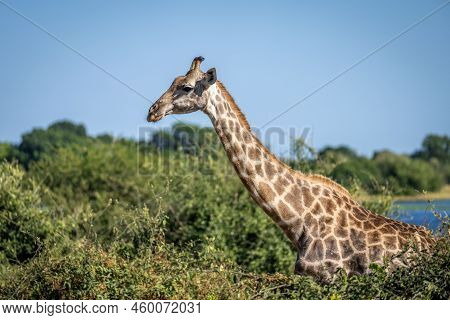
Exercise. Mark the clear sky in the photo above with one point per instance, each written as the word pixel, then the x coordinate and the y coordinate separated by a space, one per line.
pixel 268 54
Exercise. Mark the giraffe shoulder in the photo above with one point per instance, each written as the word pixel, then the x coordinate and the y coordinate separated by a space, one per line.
pixel 329 183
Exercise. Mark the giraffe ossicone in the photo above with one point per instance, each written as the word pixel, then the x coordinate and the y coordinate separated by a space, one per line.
pixel 327 227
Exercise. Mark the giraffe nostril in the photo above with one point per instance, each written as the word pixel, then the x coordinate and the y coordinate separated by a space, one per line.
pixel 152 112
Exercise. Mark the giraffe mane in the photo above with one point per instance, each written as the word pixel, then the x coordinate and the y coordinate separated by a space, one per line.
pixel 329 183
pixel 233 105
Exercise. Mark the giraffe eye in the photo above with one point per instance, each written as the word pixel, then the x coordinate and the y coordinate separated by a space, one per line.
pixel 187 89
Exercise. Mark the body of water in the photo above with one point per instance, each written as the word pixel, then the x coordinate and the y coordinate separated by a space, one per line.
pixel 422 213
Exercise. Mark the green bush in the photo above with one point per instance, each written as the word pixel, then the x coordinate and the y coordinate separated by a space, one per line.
pixel 360 171
pixel 203 199
pixel 24 222
pixel 94 172
pixel 89 269
pixel 128 259
pixel 90 272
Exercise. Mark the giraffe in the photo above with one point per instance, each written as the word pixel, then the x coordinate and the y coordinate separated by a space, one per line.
pixel 328 229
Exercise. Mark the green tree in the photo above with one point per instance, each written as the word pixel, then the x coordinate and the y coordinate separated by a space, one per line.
pixel 41 142
pixel 361 171
pixel 5 150
pixel 405 175
pixel 338 152
pixel 435 146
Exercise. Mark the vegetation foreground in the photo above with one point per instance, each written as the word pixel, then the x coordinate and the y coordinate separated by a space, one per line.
pixel 95 218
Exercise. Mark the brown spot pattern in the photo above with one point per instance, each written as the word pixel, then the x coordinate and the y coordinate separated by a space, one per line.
pixel 374 237
pixel 328 204
pixel 357 264
pixel 390 242
pixel 266 192
pixel 317 209
pixel 252 154
pixel 246 136
pixel 259 171
pixel 283 181
pixel 316 251
pixel 332 250
pixel 294 201
pixel 358 239
pixel 279 188
pixel 325 226
pixel 316 190
pixel 269 169
pixel 341 225
pixel 307 197
pixel 375 252
pixel 346 248
pixel 286 213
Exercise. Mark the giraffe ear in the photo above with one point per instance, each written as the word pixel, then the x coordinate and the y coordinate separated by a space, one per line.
pixel 208 79
pixel 211 76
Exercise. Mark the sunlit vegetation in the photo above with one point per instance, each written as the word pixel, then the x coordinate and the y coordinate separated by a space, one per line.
pixel 86 217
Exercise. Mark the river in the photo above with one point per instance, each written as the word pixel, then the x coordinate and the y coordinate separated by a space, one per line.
pixel 421 212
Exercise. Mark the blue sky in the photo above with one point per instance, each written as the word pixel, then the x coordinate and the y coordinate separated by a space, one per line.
pixel 269 56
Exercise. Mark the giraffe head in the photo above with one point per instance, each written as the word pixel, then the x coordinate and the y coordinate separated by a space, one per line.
pixel 186 94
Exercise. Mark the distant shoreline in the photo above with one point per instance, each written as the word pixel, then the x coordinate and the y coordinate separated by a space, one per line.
pixel 442 194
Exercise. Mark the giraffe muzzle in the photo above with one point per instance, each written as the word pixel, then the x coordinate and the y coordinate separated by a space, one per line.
pixel 154 113
pixel 154 118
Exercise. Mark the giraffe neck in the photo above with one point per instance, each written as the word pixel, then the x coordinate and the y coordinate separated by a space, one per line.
pixel 268 180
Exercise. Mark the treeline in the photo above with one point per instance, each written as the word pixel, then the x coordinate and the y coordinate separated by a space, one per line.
pixel 427 169
pixel 85 217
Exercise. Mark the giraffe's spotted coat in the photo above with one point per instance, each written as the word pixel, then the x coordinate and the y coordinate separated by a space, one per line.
pixel 337 231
